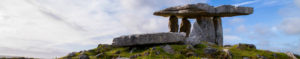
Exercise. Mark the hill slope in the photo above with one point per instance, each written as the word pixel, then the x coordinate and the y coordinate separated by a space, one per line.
pixel 177 51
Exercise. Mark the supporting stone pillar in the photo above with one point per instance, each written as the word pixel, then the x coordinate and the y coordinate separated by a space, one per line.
pixel 185 26
pixel 218 30
pixel 206 30
pixel 173 24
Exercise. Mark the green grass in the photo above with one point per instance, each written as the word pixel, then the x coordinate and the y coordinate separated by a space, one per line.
pixel 180 52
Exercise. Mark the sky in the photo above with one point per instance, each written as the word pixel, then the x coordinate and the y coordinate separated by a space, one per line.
pixel 54 28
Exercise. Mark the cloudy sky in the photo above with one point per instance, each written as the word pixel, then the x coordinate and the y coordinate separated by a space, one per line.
pixel 54 28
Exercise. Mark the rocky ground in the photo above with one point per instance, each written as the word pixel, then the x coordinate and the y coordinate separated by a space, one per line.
pixel 179 51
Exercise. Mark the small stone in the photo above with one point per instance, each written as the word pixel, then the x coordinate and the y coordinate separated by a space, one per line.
pixel 190 54
pixel 210 51
pixel 132 50
pixel 168 49
pixel 98 55
pixel 146 54
pixel 153 48
pixel 190 47
pixel 135 56
pixel 157 52
pixel 246 58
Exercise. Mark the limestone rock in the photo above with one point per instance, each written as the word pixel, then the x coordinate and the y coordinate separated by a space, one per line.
pixel 203 30
pixel 149 39
pixel 227 55
pixel 202 9
pixel 210 51
pixel 168 49
pixel 291 55
pixel 218 30
pixel 173 24
pixel 185 26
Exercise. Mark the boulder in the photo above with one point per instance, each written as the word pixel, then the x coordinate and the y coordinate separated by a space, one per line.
pixel 149 39
pixel 210 51
pixel 203 30
pixel 291 55
pixel 168 49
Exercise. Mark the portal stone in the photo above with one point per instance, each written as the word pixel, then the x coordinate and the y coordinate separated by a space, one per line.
pixel 173 24
pixel 218 30
pixel 203 30
pixel 185 26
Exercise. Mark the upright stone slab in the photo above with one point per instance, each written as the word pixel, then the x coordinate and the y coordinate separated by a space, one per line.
pixel 203 30
pixel 218 30
pixel 173 24
pixel 185 26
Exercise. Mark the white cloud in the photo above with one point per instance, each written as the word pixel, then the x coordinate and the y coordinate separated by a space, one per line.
pixel 50 28
pixel 241 28
pixel 245 3
pixel 291 25
pixel 236 20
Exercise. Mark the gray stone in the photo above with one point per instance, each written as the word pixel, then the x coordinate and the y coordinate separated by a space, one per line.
pixel 210 51
pixel 291 55
pixel 218 30
pixel 228 54
pixel 185 26
pixel 157 52
pixel 149 39
pixel 168 49
pixel 99 55
pixel 203 30
pixel 202 9
pixel 190 54
pixel 173 24
pixel 246 58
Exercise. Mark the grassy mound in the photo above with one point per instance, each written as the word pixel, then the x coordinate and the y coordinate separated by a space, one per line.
pixel 180 52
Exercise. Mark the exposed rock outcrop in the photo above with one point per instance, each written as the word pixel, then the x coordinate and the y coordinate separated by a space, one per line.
pixel 149 39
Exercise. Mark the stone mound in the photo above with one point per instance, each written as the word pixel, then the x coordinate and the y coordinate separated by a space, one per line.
pixel 149 39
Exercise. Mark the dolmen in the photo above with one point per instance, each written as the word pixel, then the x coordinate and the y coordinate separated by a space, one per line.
pixel 207 28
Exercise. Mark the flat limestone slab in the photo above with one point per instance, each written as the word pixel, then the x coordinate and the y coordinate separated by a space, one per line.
pixel 202 9
pixel 149 39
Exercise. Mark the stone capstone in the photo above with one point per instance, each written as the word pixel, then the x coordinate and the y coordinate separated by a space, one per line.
pixel 202 9
pixel 149 39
